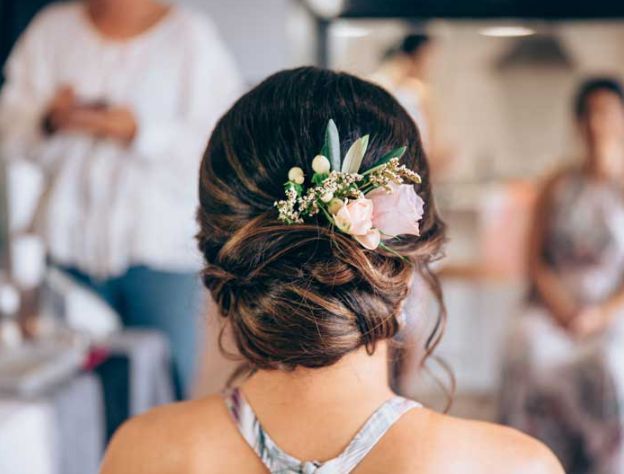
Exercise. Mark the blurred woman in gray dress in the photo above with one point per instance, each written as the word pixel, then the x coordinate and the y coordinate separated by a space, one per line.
pixel 564 378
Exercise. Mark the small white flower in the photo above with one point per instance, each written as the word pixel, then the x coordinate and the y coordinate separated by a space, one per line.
pixel 295 174
pixel 320 164
pixel 327 196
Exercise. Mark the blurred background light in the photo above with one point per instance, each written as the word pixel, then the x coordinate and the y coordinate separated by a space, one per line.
pixel 346 30
pixel 326 8
pixel 507 31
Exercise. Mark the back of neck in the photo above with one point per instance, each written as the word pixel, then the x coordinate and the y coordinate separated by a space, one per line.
pixel 357 375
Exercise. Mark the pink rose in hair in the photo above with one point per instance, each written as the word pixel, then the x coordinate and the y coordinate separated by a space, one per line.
pixel 397 212
pixel 355 218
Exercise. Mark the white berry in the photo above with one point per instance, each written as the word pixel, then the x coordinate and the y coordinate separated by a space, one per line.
pixel 295 174
pixel 320 164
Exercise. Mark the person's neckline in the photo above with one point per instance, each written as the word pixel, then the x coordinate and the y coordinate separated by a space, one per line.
pixel 152 30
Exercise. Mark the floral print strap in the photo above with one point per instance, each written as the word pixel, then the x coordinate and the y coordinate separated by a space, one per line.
pixel 277 461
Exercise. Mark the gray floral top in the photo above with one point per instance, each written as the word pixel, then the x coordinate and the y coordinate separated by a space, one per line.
pixel 585 238
pixel 277 461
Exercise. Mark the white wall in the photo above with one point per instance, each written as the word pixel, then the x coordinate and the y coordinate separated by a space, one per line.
pixel 263 35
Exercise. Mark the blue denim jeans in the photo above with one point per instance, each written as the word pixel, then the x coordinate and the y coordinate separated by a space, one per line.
pixel 167 301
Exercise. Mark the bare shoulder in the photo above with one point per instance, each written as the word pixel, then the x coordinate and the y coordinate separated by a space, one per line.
pixel 429 442
pixel 174 438
pixel 500 446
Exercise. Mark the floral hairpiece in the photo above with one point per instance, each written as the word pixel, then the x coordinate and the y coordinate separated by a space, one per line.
pixel 371 206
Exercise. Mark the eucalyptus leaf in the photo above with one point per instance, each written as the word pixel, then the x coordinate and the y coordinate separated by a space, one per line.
pixel 331 147
pixel 396 153
pixel 355 155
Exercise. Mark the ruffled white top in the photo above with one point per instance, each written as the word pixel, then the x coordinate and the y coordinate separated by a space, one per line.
pixel 110 206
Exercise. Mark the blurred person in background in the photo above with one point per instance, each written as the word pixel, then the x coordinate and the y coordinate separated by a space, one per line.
pixel 115 100
pixel 404 72
pixel 564 378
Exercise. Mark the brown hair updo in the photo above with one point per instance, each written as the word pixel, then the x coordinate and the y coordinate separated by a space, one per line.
pixel 304 295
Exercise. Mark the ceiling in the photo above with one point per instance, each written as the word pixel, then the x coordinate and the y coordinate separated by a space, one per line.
pixel 529 9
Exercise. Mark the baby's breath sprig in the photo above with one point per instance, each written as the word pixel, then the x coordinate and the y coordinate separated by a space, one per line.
pixel 288 209
pixel 391 172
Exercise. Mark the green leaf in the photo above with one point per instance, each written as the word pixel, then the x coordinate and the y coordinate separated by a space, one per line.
pixel 331 147
pixel 396 153
pixel 297 187
pixel 355 155
pixel 327 214
pixel 318 178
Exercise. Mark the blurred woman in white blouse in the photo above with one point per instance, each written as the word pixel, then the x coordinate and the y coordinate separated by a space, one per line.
pixel 115 100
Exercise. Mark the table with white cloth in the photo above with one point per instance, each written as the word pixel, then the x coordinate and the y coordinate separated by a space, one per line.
pixel 64 430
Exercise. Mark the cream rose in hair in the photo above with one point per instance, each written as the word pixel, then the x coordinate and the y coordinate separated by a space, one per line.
pixel 356 218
